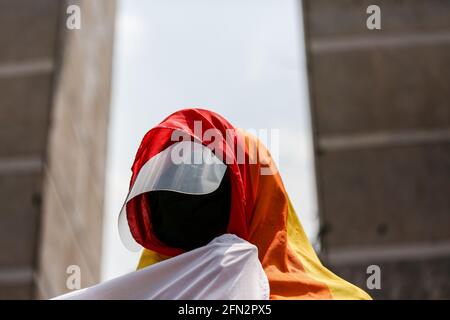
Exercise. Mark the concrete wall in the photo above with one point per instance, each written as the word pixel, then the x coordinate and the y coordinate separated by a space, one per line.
pixel 54 98
pixel 380 101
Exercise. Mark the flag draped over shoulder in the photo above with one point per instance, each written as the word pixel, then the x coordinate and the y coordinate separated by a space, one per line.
pixel 194 275
pixel 261 211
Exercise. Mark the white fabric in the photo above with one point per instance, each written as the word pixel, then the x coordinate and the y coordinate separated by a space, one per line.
pixel 227 268
pixel 186 167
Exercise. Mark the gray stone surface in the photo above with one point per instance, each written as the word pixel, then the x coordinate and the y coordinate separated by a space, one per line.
pixel 54 98
pixel 382 89
pixel 28 30
pixel 418 279
pixel 61 247
pixel 74 177
pixel 381 119
pixel 19 210
pixel 24 115
pixel 14 291
pixel 329 18
pixel 380 196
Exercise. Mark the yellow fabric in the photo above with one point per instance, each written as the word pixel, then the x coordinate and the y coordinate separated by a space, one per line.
pixel 340 289
pixel 149 257
pixel 292 267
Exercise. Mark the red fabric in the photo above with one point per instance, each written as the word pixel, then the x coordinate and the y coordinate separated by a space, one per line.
pixel 261 212
pixel 158 139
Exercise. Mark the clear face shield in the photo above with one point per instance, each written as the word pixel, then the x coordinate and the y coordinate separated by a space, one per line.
pixel 186 167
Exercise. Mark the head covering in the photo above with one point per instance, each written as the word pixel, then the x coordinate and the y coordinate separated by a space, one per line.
pixel 190 221
pixel 260 209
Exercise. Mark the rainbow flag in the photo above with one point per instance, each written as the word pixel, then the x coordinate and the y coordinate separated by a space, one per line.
pixel 261 212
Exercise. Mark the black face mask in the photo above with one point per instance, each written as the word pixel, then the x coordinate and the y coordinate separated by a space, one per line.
pixel 188 221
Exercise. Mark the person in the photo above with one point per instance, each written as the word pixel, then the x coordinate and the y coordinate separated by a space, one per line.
pixel 195 178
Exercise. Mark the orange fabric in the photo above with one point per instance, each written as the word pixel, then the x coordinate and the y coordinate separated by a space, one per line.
pixel 268 231
pixel 292 267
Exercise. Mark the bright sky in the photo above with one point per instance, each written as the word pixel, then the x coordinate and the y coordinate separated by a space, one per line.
pixel 242 59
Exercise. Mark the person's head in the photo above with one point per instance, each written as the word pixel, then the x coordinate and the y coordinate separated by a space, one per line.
pixel 171 208
pixel 189 221
pixel 182 194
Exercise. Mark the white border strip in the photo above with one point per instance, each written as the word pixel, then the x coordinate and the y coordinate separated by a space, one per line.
pixel 16 275
pixel 382 139
pixel 367 41
pixel 26 68
pixel 20 165
pixel 373 255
